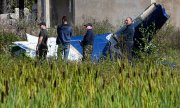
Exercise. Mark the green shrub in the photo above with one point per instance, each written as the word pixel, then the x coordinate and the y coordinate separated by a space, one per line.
pixel 6 39
pixel 168 37
pixel 99 27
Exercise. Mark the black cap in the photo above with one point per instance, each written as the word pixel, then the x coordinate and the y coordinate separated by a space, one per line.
pixel 42 23
pixel 88 24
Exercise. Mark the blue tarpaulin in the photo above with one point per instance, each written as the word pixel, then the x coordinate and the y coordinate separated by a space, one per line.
pixel 100 42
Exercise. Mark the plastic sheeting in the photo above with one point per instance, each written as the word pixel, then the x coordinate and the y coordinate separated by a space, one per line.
pixel 75 48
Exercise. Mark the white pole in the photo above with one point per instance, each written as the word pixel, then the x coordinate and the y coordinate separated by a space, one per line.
pixel 39 10
pixel 47 13
pixel 153 1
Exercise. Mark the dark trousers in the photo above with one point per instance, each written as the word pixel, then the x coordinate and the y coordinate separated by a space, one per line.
pixel 42 51
pixel 129 49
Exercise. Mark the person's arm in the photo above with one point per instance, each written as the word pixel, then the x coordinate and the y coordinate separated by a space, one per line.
pixel 71 32
pixel 39 40
pixel 58 30
pixel 85 39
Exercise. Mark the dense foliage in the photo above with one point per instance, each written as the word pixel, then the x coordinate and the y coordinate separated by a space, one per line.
pixel 6 40
pixel 24 83
pixel 12 4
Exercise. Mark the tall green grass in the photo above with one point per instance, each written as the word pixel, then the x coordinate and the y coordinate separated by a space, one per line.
pixel 23 83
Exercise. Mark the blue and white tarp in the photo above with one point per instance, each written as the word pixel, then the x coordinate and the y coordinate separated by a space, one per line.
pixel 75 53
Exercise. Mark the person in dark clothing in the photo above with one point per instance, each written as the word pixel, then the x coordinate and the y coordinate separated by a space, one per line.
pixel 64 32
pixel 88 42
pixel 42 47
pixel 128 33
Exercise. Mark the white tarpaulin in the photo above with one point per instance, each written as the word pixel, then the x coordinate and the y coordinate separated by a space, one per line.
pixel 30 47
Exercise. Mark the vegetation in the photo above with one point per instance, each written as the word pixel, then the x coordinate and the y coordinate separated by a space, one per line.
pixel 24 83
pixel 12 4
pixel 150 82
pixel 99 27
pixel 6 40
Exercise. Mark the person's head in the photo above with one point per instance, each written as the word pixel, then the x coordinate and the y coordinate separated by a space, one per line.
pixel 64 20
pixel 42 25
pixel 128 21
pixel 88 26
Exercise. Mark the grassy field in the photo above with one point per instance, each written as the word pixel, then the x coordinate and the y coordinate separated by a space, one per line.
pixel 23 83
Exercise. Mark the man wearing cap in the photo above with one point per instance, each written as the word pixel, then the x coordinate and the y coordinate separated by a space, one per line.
pixel 88 42
pixel 64 32
pixel 41 47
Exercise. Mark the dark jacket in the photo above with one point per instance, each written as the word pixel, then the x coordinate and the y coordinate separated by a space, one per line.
pixel 88 38
pixel 64 32
pixel 129 32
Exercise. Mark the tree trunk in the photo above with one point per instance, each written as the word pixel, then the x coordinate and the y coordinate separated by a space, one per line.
pixel 4 5
pixel 21 9
pixel 1 5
